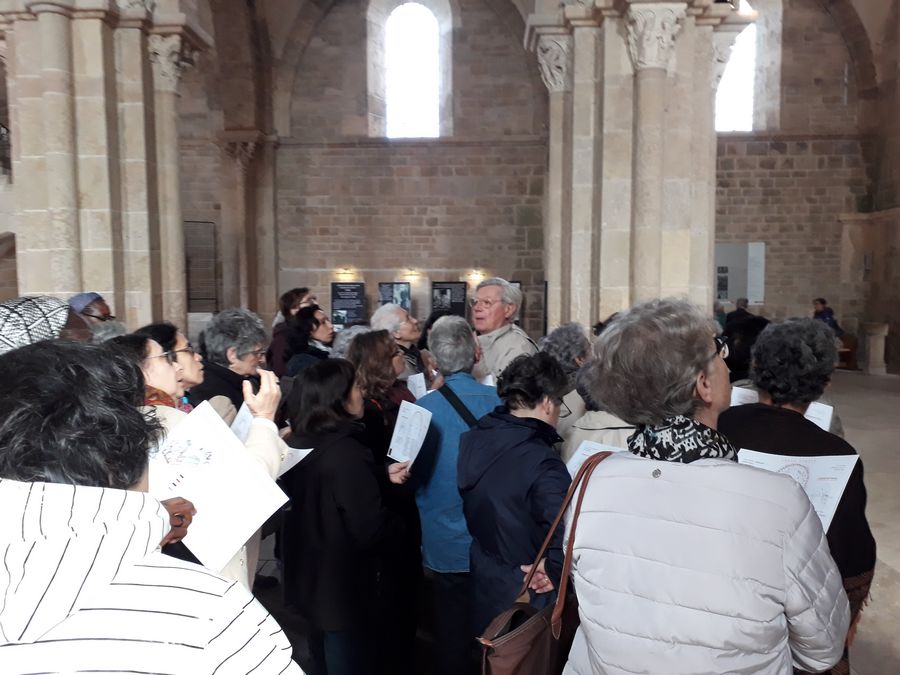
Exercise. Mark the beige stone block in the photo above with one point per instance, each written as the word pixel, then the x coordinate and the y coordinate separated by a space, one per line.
pixel 94 183
pixel 136 266
pixel 31 185
pixel 96 229
pixel 675 262
pixel 89 55
pixel 29 135
pixel 617 150
pixel 615 258
pixel 97 270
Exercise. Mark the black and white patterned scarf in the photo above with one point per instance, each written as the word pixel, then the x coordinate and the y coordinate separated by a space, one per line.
pixel 27 320
pixel 680 439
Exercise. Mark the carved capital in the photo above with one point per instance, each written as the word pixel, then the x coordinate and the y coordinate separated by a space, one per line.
pixel 169 54
pixel 652 29
pixel 554 54
pixel 723 45
pixel 136 5
pixel 241 152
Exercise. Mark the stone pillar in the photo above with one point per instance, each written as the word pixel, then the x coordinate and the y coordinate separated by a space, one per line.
pixel 875 336
pixel 652 29
pixel 49 254
pixel 264 289
pixel 169 54
pixel 236 247
pixel 554 54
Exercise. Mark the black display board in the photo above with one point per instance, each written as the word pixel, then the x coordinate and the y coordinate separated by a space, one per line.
pixel 348 304
pixel 397 292
pixel 449 296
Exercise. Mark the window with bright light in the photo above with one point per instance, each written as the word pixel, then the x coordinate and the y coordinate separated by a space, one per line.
pixel 412 72
pixel 734 98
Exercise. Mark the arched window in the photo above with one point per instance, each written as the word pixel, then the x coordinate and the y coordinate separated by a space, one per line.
pixel 735 96
pixel 410 92
pixel 412 72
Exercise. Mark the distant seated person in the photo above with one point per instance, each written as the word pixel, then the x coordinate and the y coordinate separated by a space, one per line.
pixel 792 364
pixel 85 586
pixel 495 309
pixel 822 312
pixel 740 312
pixel 27 320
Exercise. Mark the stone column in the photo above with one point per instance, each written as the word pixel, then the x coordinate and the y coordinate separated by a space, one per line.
pixel 652 29
pixel 50 254
pixel 554 54
pixel 169 54
pixel 237 248
pixel 875 336
pixel 264 283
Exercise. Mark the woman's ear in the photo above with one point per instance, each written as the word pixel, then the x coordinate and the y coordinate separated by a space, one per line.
pixel 231 355
pixel 703 387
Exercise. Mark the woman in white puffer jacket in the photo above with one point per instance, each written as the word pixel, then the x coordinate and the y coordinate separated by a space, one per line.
pixel 684 560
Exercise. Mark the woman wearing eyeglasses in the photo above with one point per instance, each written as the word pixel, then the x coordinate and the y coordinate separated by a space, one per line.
pixel 684 560
pixel 163 379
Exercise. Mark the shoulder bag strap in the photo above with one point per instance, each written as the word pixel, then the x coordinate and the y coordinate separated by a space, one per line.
pixel 583 475
pixel 458 405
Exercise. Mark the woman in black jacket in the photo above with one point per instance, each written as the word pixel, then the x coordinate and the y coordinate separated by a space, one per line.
pixel 337 524
pixel 513 483
pixel 310 334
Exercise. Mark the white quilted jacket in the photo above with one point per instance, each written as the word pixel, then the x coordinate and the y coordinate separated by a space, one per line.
pixel 710 567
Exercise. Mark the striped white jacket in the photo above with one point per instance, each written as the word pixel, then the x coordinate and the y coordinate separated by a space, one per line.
pixel 83 587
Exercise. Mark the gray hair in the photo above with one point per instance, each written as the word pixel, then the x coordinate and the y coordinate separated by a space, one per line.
pixel 452 344
pixel 509 294
pixel 238 328
pixel 583 379
pixel 343 338
pixel 567 343
pixel 647 361
pixel 101 332
pixel 793 360
pixel 388 317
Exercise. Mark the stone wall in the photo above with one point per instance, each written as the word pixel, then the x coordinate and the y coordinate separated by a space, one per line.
pixel 789 193
pixel 443 209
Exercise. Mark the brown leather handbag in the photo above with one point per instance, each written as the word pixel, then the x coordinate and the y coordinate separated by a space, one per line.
pixel 527 641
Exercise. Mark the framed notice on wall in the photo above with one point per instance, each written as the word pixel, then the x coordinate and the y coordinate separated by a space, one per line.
pixel 449 296
pixel 348 304
pixel 396 292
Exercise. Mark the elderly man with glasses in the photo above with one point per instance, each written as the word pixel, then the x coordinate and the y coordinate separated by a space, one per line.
pixel 495 309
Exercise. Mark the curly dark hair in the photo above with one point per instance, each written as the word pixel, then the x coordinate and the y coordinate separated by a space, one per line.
pixel 371 354
pixel 793 360
pixel 529 378
pixel 70 415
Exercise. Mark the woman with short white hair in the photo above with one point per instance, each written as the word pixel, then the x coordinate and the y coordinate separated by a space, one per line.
pixel 685 560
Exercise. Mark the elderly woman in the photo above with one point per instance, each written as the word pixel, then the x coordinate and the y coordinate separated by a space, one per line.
pixel 683 556
pixel 596 425
pixel 570 346
pixel 513 483
pixel 792 365
pixel 310 338
pixel 79 574
pixel 234 349
pixel 163 387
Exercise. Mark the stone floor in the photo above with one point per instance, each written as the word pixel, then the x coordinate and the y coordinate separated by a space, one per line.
pixel 869 407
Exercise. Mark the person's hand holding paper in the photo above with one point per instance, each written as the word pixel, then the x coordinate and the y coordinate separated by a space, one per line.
pixel 409 432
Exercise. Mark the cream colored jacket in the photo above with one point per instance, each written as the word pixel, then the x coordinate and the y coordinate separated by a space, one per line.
pixel 501 346
pixel 267 448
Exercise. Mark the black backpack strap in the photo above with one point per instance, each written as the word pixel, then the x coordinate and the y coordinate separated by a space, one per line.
pixel 458 405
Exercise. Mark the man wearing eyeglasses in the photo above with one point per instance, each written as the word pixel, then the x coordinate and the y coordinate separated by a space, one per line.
pixel 495 309
pixel 92 308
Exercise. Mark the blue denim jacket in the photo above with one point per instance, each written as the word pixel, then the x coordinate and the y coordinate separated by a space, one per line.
pixel 445 538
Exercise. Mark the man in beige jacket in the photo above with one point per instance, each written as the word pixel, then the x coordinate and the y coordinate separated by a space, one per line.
pixel 495 308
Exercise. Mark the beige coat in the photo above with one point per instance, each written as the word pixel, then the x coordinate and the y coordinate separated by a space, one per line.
pixel 599 427
pixel 267 448
pixel 569 413
pixel 501 346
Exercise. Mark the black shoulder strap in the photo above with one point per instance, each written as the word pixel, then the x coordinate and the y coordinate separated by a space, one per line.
pixel 458 405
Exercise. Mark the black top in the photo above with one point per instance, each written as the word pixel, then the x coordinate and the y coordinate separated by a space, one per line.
pixel 512 483
pixel 303 360
pixel 779 431
pixel 737 315
pixel 220 381
pixel 334 530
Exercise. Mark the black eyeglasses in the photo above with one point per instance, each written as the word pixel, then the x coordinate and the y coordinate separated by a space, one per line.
pixel 100 317
pixel 721 346
pixel 189 350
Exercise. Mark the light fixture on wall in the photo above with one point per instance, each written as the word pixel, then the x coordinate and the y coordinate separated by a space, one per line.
pixel 476 276
pixel 344 274
pixel 411 274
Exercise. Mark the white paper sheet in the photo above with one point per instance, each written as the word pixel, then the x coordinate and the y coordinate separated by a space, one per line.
pixel 584 451
pixel 293 458
pixel 416 385
pixel 204 462
pixel 741 396
pixel 821 414
pixel 241 424
pixel 409 433
pixel 489 380
pixel 822 478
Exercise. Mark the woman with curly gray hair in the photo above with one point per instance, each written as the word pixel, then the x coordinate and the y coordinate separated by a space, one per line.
pixel 570 346
pixel 682 555
pixel 792 365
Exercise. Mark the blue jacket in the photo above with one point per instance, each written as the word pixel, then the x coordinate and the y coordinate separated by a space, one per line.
pixel 445 539
pixel 512 484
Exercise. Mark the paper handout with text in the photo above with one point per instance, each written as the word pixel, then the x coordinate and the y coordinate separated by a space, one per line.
pixel 202 460
pixel 409 433
pixel 823 479
pixel 292 459
pixel 416 385
pixel 584 451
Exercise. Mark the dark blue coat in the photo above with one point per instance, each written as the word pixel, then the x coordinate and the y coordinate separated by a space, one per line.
pixel 512 484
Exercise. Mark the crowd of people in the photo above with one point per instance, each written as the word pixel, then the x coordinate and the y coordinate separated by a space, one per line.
pixel 685 561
